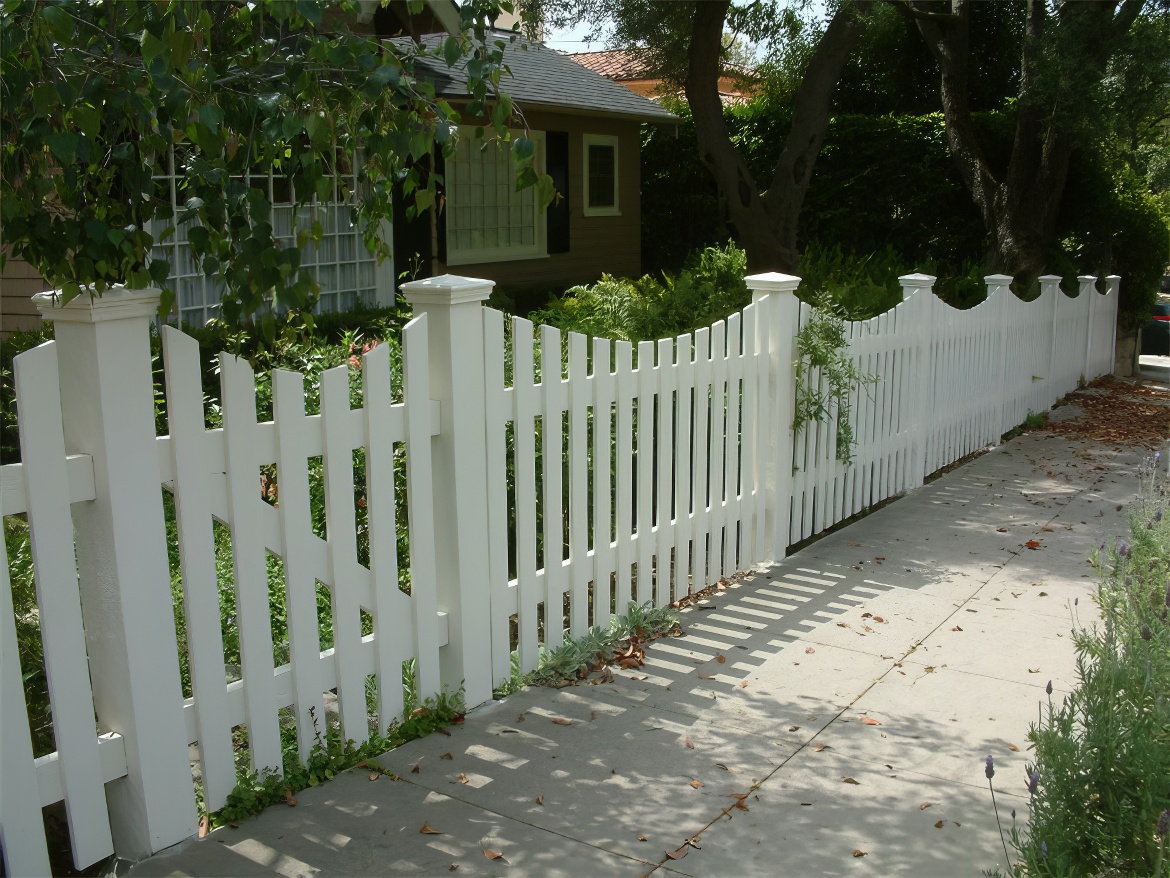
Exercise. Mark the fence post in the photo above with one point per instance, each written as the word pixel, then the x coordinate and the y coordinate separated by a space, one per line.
pixel 776 326
pixel 1114 287
pixel 1002 284
pixel 922 382
pixel 107 406
pixel 1089 289
pixel 454 310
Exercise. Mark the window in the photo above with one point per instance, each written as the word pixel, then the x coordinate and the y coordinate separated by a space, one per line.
pixel 601 175
pixel 487 219
pixel 346 272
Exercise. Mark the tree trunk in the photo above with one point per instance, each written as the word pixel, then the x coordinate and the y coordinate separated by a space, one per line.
pixel 1020 206
pixel 766 222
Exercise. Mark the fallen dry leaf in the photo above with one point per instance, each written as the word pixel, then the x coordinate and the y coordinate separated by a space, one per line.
pixel 869 721
pixel 696 784
pixel 1043 594
pixel 820 747
pixel 454 867
pixel 540 800
pixel 374 776
pixel 641 838
pixel 414 768
pixel 956 628
pixel 637 676
pixel 462 778
pixel 721 658
pixel 851 780
pixel 520 718
pixel 860 853
pixel 561 721
pixel 1013 748
pixel 842 624
pixel 742 683
pixel 1001 530
pixel 447 756
pixel 794 728
pixel 428 830
pixel 879 619
pixel 940 824
pixel 690 745
pixel 204 825
pixel 741 805
pixel 809 650
pixel 289 797
pixel 1033 670
pixel 1032 544
pixel 493 855
pixel 678 854
pixel 924 806
pixel 706 677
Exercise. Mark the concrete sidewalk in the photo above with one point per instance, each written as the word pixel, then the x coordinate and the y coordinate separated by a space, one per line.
pixel 931 617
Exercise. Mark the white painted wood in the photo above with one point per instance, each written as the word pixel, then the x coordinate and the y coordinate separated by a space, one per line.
pixel 604 554
pixel 498 412
pixel 684 467
pixel 734 448
pixel 296 531
pixel 665 441
pixel 527 407
pixel 42 450
pixel 579 569
pixel 701 478
pixel 751 493
pixel 107 406
pixel 22 828
pixel 645 474
pixel 624 394
pixel 717 472
pixel 555 397
pixel 14 500
pixel 341 535
pixel 424 587
pixel 201 609
pixel 249 561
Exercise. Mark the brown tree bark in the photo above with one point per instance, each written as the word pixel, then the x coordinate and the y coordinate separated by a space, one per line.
pixel 766 221
pixel 1019 204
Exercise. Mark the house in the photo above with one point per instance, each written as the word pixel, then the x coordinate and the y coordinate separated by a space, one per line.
pixel 631 68
pixel 587 129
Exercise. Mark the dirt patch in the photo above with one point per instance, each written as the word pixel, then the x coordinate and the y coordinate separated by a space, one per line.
pixel 1119 411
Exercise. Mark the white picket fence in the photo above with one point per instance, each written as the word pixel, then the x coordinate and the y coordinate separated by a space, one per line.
pixel 539 499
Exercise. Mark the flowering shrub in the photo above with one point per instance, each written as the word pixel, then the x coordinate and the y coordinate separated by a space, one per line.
pixel 1100 784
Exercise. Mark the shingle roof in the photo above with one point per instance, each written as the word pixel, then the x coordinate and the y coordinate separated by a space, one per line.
pixel 544 79
pixel 617 64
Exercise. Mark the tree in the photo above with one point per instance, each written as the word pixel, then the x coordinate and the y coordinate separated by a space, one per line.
pixel 99 97
pixel 1065 58
pixel 687 43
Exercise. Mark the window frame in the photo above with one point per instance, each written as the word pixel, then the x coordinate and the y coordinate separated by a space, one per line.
pixel 610 140
pixel 537 250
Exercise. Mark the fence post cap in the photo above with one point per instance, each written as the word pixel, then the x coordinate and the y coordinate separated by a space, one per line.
pixel 116 303
pixel 1000 279
pixel 917 280
pixel 1050 278
pixel 1087 278
pixel 447 289
pixel 1113 277
pixel 772 282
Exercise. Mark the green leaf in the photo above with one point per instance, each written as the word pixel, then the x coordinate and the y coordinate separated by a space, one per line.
pixel 88 119
pixel 59 20
pixel 317 127
pixel 152 47
pixel 451 51
pixel 523 149
pixel 182 44
pixel 63 146
pixel 70 290
pixel 546 191
pixel 424 199
pixel 211 116
pixel 45 99
pixel 311 10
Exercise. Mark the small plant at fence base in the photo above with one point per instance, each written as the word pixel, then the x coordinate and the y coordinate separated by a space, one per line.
pixel 823 347
pixel 1100 784
pixel 255 791
pixel 622 643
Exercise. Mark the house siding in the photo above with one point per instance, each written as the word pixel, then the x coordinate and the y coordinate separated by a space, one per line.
pixel 18 284
pixel 597 244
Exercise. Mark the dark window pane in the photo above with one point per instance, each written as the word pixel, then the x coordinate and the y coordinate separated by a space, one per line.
pixel 602 176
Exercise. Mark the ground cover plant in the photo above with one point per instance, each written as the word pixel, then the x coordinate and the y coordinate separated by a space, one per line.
pixel 1100 779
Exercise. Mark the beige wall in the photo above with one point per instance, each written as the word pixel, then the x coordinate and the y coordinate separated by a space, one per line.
pixel 609 244
pixel 18 284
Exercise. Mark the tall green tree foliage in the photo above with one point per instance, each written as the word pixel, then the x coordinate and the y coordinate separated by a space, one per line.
pixel 98 96
pixel 1068 54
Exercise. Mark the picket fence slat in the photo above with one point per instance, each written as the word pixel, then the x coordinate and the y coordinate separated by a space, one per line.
pixel 527 401
pixel 701 471
pixel 201 608
pixel 604 555
pixel 554 392
pixel 498 407
pixel 664 455
pixel 684 478
pixel 644 486
pixel 625 393
pixel 22 828
pixel 42 449
pixel 579 401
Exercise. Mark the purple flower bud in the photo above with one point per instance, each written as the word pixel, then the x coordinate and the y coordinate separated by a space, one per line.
pixel 1044 849
pixel 1163 828
pixel 1033 780
pixel 1123 548
pixel 1048 688
pixel 990 769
